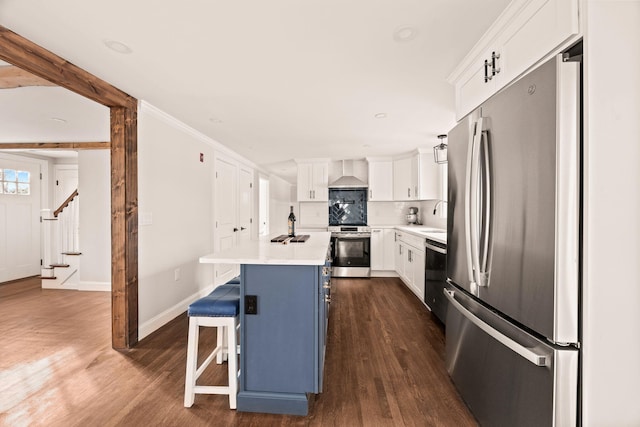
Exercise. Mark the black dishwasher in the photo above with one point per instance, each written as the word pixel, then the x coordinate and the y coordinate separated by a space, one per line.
pixel 435 279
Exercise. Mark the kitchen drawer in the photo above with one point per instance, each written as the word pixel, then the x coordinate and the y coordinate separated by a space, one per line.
pixel 415 241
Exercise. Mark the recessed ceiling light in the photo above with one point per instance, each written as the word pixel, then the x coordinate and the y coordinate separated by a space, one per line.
pixel 58 119
pixel 366 145
pixel 117 46
pixel 215 120
pixel 404 34
pixel 380 115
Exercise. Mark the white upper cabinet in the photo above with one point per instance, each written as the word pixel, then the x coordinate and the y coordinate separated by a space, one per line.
pixel 416 177
pixel 429 177
pixel 404 185
pixel 313 181
pixel 527 32
pixel 380 180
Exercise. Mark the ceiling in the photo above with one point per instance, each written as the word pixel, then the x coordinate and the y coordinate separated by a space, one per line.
pixel 273 80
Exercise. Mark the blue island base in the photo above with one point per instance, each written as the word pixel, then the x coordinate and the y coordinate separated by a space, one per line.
pixel 273 403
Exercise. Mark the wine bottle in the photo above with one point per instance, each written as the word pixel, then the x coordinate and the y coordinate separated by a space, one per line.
pixel 291 222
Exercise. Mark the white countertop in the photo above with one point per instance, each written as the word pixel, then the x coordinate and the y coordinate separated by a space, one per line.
pixel 262 251
pixel 431 233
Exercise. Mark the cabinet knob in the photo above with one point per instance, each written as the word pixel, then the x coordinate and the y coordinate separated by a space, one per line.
pixel 235 229
pixel 242 228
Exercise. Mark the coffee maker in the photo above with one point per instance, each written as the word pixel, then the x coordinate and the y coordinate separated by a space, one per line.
pixel 412 216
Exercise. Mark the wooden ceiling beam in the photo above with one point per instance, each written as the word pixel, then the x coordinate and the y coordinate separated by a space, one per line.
pixel 27 55
pixel 12 77
pixel 55 145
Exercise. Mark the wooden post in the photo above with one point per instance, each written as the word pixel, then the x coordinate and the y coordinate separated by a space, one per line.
pixel 124 227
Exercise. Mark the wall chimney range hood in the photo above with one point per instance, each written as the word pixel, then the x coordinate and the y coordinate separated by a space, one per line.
pixel 348 180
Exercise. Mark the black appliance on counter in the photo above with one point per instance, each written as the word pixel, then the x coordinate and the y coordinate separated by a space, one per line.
pixel 350 235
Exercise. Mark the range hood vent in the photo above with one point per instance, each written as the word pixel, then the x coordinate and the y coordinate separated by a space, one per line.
pixel 348 180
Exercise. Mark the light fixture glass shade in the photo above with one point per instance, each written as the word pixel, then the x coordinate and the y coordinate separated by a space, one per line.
pixel 440 151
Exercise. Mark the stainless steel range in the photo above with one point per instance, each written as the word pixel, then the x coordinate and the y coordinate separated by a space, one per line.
pixel 351 251
pixel 350 235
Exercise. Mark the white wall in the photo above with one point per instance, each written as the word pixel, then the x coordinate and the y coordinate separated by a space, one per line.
pixel 94 187
pixel 281 196
pixel 175 201
pixel 611 289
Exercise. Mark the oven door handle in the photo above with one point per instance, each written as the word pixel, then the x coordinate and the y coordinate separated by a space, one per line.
pixel 352 236
pixel 435 248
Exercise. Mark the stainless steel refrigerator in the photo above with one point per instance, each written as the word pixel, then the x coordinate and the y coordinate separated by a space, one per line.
pixel 513 262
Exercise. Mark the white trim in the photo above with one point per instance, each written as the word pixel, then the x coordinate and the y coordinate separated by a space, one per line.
pixel 171 313
pixel 383 273
pixel 94 286
pixel 145 107
pixel 513 9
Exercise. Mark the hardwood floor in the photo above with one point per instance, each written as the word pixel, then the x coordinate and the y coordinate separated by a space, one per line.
pixel 384 365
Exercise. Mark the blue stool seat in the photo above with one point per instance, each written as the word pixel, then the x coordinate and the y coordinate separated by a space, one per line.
pixel 224 301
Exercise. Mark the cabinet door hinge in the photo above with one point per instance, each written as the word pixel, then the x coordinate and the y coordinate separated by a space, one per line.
pixel 251 185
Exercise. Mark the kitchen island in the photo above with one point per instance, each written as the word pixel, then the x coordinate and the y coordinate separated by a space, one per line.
pixel 284 305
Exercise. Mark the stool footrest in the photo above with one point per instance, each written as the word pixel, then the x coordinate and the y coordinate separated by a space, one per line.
pixel 211 389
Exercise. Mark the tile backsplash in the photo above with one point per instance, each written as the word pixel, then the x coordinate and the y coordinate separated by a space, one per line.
pixel 394 213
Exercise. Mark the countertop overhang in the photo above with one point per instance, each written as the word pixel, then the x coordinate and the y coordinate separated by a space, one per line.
pixel 262 251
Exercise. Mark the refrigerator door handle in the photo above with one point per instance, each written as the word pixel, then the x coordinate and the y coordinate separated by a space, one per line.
pixel 486 205
pixel 474 206
pixel 528 354
pixel 468 210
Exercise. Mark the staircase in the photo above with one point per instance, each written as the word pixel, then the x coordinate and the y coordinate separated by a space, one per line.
pixel 60 230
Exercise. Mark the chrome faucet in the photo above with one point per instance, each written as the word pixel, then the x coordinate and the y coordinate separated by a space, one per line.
pixel 435 208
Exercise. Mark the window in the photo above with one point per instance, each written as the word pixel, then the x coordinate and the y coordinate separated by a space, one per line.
pixel 15 182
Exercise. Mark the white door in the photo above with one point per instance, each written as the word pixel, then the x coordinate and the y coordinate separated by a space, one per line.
pixel 19 219
pixel 225 214
pixel 245 204
pixel 66 238
pixel 66 183
pixel 263 210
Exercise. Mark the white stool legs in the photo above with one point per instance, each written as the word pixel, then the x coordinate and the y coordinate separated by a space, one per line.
pixel 227 339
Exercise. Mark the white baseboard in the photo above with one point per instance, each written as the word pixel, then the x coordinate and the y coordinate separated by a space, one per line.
pixel 95 286
pixel 383 273
pixel 171 313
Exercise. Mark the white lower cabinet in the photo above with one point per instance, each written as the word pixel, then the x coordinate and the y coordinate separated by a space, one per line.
pixel 382 249
pixel 410 260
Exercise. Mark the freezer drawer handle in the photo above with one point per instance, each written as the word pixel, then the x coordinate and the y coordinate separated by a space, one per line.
pixel 531 356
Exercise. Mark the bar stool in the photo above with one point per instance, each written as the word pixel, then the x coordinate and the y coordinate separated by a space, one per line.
pixel 219 309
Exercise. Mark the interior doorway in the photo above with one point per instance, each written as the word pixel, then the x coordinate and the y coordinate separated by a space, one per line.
pixel 122 144
pixel 263 207
pixel 20 230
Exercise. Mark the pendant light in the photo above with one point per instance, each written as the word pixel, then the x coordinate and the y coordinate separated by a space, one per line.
pixel 440 150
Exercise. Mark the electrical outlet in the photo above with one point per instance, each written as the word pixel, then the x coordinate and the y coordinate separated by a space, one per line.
pixel 251 304
pixel 176 274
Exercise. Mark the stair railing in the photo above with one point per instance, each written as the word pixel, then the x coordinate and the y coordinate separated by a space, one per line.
pixel 61 231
